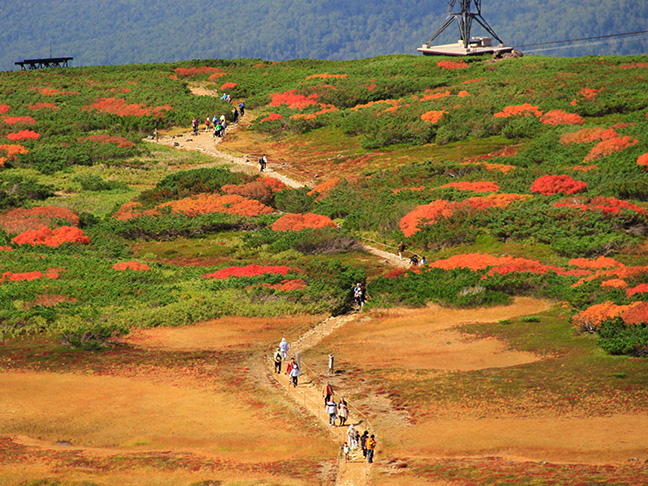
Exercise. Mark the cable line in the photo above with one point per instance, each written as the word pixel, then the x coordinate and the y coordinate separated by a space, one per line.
pixel 583 39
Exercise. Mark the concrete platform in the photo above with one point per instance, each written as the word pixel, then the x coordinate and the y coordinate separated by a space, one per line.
pixel 458 49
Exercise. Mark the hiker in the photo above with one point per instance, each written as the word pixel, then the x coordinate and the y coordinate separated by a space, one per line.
pixel 284 346
pixel 401 249
pixel 214 121
pixel 363 443
pixel 331 409
pixel 242 108
pixel 359 295
pixel 194 124
pixel 345 451
pixel 228 99
pixel 343 412
pixel 278 358
pixel 155 134
pixel 222 119
pixel 207 124
pixel 327 391
pixel 423 261
pixel 294 372
pixel 224 97
pixel 371 447
pixel 235 115
pixel 263 162
pixel 351 434
pixel 414 260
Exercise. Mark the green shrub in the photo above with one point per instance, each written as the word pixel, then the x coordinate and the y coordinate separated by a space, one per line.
pixel 92 336
pixel 616 338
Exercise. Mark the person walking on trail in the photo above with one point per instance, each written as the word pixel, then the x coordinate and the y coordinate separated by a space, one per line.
pixel 401 249
pixel 294 372
pixel 414 260
pixel 235 115
pixel 263 162
pixel 359 295
pixel 278 358
pixel 156 135
pixel 242 108
pixel 371 447
pixel 284 347
pixel 194 125
pixel 207 122
pixel 343 412
pixel 345 450
pixel 327 392
pixel 423 261
pixel 363 443
pixel 351 434
pixel 331 409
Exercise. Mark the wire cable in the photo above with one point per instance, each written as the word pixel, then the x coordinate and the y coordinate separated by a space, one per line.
pixel 583 39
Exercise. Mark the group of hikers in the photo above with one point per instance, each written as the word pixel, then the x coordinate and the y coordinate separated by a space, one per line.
pixel 219 124
pixel 336 411
pixel 415 259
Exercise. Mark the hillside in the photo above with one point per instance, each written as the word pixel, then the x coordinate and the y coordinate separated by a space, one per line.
pixel 125 32
pixel 147 272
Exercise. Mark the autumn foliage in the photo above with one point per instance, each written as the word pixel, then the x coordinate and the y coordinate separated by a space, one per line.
pixel 432 116
pixel 11 151
pixel 557 184
pixel 131 265
pixel 118 106
pixel 560 117
pixel 215 203
pixel 271 117
pixel 324 188
pixel 250 271
pixel 23 135
pixel 452 64
pixel 20 120
pixel 326 76
pixel 609 146
pixel 52 273
pixel 52 237
pixel 228 85
pixel 19 220
pixel 297 222
pixel 486 186
pixel 192 71
pixel 513 110
pixel 293 100
pixel 39 106
pixel 117 140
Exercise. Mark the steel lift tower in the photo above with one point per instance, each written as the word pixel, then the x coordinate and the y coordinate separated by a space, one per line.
pixel 464 12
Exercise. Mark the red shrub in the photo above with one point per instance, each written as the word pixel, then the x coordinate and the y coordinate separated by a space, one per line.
pixel 591 318
pixel 274 183
pixel 4 109
pixel 215 203
pixel 11 152
pixel 452 64
pixel 297 222
pixel 119 141
pixel 485 186
pixel 48 237
pixel 271 117
pixel 557 184
pixel 614 283
pixel 513 110
pixel 119 107
pixel 583 168
pixel 250 271
pixel 599 263
pixel 516 265
pixel 469 81
pixel 22 120
pixel 23 135
pixel 192 71
pixel 636 313
pixel 324 188
pixel 52 273
pixel 19 220
pixel 560 117
pixel 132 265
pixel 643 160
pixel 412 189
pixel 228 86
pixel 639 289
pixel 256 190
pixel 216 76
pixel 426 214
pixel 53 91
pixel 471 261
pixel 609 146
pixel 287 285
pixel 6 248
pixel 589 93
pixel 434 96
pixel 395 272
pixel 601 203
pixel 293 100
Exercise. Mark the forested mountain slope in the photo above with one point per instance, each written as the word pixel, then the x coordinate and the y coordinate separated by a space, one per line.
pixel 132 31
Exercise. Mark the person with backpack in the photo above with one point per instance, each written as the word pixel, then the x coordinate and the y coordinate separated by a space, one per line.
pixel 284 347
pixel 327 391
pixel 277 361
pixel 343 413
pixel 207 124
pixel 363 443
pixel 331 409
pixel 194 124
pixel 242 108
pixel 294 372
pixel 263 162
pixel 371 447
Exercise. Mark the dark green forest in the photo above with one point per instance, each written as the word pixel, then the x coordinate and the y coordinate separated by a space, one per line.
pixel 97 32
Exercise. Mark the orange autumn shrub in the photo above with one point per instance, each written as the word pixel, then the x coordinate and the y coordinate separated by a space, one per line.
pixel 271 117
pixel 326 75
pixel 426 214
pixel 49 300
pixel 215 203
pixel 493 201
pixel 52 273
pixel 434 96
pixel 19 220
pixel 23 135
pixel 557 184
pixel 250 271
pixel 274 183
pixel 452 64
pixel 4 109
pixel 614 283
pixel 215 77
pixel 312 116
pixel 131 265
pixel 609 146
pixel 485 186
pixel 590 319
pixel 54 91
pixel 518 265
pixel 228 85
pixel 612 204
pixel 643 160
pixel 587 135
pixel 293 100
pixel 638 289
pixel 118 106
pixel 471 261
pixel 433 116
pixel 636 313
pixel 6 248
pixel 11 151
pixel 131 210
pixel 297 222
pixel 583 168
pixel 52 237
pixel 192 71
pixel 589 93
pixel 477 80
pixel 22 120
pixel 560 117
pixel 600 263
pixel 38 106
pixel 324 188
pixel 514 110
pixel 256 190
pixel 463 94
pixel 119 141
pixel 287 285
pixel 412 189
pixel 372 103
pixel 395 272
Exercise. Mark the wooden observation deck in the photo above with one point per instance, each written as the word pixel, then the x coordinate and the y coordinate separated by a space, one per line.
pixel 48 62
